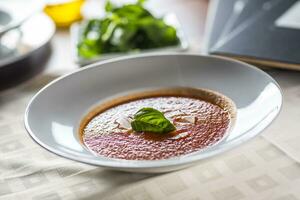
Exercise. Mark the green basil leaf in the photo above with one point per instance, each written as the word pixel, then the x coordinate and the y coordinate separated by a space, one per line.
pixel 151 120
pixel 109 6
pixel 141 2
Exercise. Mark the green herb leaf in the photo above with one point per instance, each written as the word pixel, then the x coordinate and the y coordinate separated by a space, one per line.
pixel 108 6
pixel 141 2
pixel 151 120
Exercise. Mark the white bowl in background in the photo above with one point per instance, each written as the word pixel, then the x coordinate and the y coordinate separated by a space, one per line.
pixel 14 12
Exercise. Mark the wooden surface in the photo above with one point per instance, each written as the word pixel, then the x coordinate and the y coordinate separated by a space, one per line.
pixel 191 14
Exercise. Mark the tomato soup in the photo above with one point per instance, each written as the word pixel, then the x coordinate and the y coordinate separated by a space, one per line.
pixel 201 118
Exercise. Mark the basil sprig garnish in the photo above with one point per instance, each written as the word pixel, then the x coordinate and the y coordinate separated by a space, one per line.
pixel 151 120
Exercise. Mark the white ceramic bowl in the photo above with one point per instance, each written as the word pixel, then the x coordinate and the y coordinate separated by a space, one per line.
pixel 14 12
pixel 53 115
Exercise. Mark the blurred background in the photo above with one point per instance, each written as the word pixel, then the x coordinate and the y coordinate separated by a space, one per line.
pixel 59 36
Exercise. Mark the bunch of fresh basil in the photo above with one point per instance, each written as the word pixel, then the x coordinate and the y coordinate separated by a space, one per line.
pixel 127 28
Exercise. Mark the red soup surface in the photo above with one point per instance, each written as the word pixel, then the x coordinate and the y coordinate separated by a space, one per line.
pixel 198 123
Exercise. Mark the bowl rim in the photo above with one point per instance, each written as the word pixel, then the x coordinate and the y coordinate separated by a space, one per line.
pixel 5 62
pixel 172 162
pixel 17 21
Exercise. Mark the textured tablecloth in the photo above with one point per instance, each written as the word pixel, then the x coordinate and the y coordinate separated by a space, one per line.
pixel 265 168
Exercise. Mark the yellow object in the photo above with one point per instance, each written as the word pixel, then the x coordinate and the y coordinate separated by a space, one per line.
pixel 64 12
